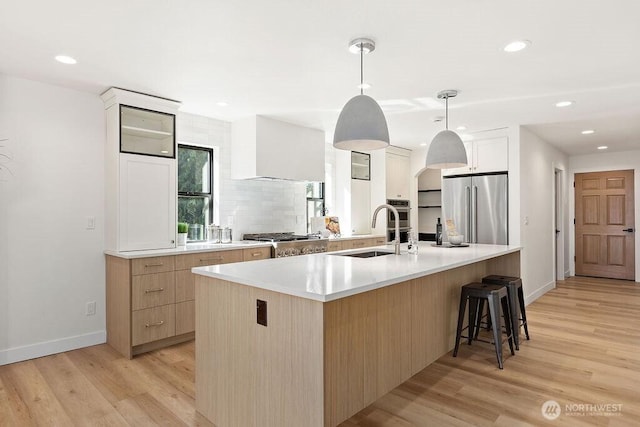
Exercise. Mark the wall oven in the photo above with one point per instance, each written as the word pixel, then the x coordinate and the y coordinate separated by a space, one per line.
pixel 404 214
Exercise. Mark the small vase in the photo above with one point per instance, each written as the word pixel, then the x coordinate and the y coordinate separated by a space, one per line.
pixel 182 239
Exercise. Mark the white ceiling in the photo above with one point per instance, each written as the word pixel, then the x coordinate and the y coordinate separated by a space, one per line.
pixel 289 60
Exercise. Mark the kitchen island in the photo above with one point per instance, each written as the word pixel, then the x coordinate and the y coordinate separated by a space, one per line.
pixel 340 331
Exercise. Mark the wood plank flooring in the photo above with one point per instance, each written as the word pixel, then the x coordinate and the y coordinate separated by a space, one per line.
pixel 584 350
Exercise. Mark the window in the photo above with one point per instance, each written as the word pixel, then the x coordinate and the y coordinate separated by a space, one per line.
pixel 195 189
pixel 315 201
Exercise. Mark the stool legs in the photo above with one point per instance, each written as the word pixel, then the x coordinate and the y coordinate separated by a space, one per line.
pixel 494 305
pixel 507 314
pixel 463 306
pixel 515 315
pixel 523 312
pixel 473 314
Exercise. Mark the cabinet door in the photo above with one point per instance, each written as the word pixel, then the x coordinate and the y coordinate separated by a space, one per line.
pixel 468 147
pixel 147 202
pixel 398 176
pixel 491 155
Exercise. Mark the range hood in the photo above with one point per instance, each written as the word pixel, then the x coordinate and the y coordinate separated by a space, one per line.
pixel 263 148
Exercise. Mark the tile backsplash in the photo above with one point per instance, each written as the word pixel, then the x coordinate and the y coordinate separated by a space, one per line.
pixel 247 206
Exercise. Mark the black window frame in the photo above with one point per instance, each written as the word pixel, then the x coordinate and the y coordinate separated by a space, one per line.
pixel 210 194
pixel 316 199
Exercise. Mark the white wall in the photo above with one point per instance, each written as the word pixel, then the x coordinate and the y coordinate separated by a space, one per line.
pixel 538 162
pixel 604 162
pixel 50 263
pixel 248 206
pixel 339 192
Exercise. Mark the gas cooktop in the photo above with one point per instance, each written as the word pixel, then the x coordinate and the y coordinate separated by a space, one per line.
pixel 278 237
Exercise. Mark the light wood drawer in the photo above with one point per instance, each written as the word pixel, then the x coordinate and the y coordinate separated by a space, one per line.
pixel 357 244
pixel 379 241
pixel 185 285
pixel 185 317
pixel 152 265
pixel 251 254
pixel 153 324
pixel 184 262
pixel 151 290
pixel 334 246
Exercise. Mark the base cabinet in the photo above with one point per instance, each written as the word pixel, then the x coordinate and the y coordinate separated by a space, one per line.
pixel 151 301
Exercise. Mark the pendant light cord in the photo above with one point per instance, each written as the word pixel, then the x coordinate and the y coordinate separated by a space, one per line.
pixel 446 112
pixel 361 67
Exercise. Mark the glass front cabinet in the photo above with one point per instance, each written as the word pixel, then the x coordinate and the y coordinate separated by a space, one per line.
pixel 140 171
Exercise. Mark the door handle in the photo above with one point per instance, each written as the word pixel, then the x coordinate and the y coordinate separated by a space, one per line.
pixel 628 230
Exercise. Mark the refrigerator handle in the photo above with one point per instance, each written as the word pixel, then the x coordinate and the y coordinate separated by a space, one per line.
pixel 475 214
pixel 467 190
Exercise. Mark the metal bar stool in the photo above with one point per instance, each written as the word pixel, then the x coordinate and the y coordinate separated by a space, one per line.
pixel 516 301
pixel 496 296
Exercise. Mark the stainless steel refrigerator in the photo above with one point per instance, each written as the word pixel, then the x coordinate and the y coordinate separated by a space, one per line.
pixel 478 205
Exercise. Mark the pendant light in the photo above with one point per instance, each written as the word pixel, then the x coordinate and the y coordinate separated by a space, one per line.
pixel 361 124
pixel 446 149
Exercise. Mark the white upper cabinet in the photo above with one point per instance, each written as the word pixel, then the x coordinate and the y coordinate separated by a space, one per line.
pixel 140 171
pixel 484 155
pixel 398 172
pixel 267 148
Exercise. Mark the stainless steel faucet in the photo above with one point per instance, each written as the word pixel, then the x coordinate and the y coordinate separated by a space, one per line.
pixel 396 219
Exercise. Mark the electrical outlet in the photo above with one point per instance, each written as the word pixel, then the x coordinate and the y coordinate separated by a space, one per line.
pixel 91 308
pixel 91 222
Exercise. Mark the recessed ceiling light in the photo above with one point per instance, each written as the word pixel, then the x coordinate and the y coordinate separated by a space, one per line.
pixel 66 59
pixel 461 128
pixel 222 104
pixel 564 103
pixel 364 86
pixel 517 45
pixel 602 147
pixel 424 144
pixel 587 131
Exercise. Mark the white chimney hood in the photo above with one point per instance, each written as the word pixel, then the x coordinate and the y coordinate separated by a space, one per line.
pixel 267 148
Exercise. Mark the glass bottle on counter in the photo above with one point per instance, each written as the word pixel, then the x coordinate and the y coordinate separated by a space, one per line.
pixel 412 243
pixel 439 233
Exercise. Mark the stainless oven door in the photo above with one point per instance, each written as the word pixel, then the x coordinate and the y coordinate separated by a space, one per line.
pixel 403 214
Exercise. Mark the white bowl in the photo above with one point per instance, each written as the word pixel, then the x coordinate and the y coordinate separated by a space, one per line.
pixel 456 239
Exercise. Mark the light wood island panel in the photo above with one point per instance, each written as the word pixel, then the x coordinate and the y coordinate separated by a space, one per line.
pixel 319 363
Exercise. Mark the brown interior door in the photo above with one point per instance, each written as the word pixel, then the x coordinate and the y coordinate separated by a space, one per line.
pixel 605 224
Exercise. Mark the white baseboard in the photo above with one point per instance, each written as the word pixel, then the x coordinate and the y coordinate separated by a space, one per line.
pixel 539 292
pixel 18 354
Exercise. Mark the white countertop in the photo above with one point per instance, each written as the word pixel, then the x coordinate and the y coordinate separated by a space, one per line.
pixel 329 276
pixel 190 248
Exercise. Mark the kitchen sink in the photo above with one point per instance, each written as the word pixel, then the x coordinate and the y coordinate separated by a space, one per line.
pixel 367 254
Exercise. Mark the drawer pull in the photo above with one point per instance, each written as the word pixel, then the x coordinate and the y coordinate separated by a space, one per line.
pixel 220 258
pixel 148 291
pixel 149 325
pixel 256 254
pixel 160 264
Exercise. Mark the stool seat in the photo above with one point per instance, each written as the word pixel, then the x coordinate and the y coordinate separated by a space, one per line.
pixel 516 300
pixel 496 297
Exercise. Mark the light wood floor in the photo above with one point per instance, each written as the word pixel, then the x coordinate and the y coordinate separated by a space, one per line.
pixel 584 349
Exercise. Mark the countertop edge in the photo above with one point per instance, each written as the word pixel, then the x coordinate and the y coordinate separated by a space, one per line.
pixel 203 271
pixel 185 250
